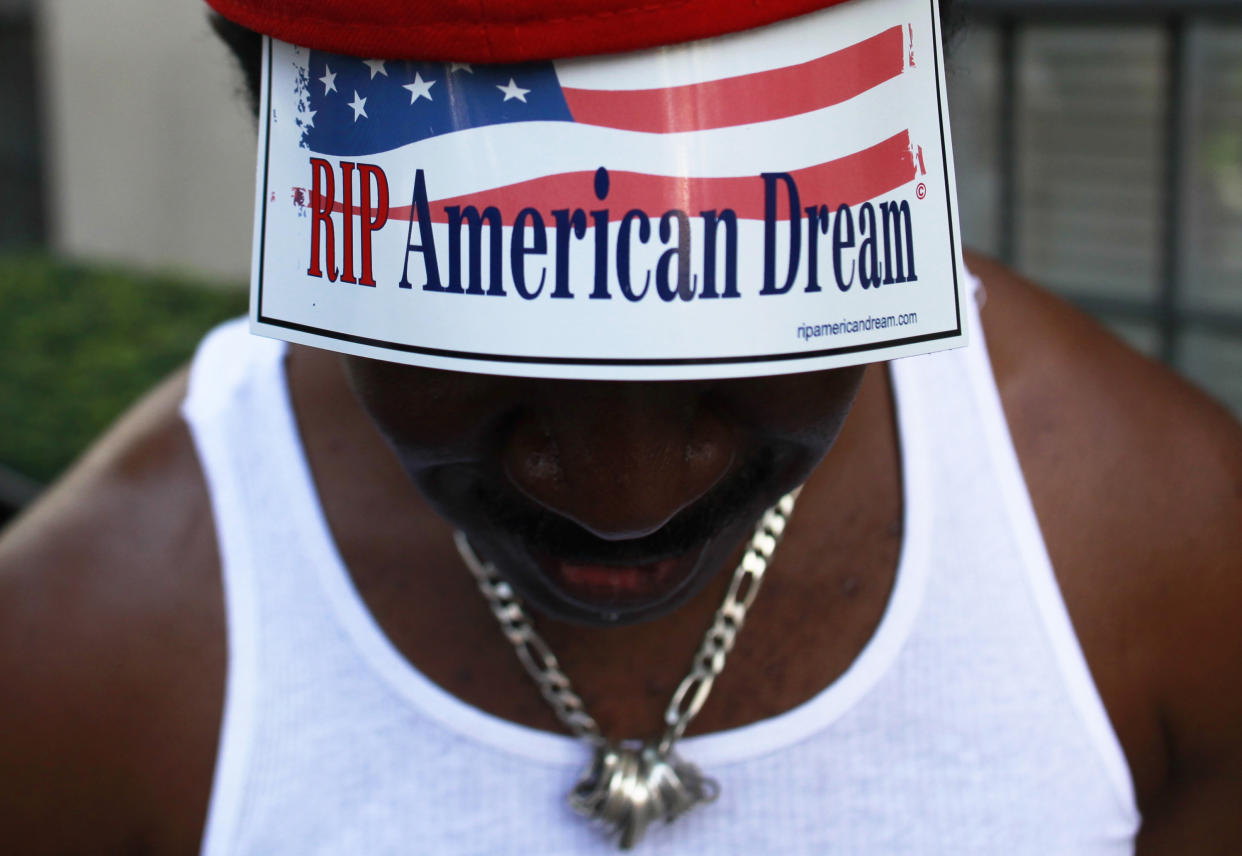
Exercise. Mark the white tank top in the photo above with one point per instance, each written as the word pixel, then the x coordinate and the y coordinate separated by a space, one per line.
pixel 969 724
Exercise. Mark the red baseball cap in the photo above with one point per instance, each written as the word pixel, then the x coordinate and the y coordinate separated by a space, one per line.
pixel 501 30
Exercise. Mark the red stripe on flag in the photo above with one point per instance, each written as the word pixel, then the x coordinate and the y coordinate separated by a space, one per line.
pixel 758 97
pixel 850 180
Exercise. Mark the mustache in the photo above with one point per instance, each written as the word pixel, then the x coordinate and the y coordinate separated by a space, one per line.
pixel 547 532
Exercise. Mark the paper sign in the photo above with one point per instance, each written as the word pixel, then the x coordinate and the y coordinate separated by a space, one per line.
pixel 775 201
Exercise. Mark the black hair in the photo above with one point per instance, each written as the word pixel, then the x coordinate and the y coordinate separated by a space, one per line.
pixel 246 45
pixel 247 48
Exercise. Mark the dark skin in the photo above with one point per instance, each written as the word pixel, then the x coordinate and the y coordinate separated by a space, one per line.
pixel 621 473
pixel 111 619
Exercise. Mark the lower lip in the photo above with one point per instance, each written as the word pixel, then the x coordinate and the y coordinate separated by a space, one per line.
pixel 609 585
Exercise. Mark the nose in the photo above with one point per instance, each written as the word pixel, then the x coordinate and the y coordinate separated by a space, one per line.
pixel 619 459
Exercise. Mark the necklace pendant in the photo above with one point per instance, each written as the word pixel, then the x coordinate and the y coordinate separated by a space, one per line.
pixel 626 788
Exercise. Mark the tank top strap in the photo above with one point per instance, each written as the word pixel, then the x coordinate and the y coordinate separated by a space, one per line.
pixel 954 397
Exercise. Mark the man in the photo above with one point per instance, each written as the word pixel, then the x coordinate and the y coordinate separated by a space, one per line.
pixel 908 639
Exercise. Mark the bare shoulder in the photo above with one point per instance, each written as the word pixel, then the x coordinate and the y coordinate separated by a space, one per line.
pixel 112 647
pixel 1136 477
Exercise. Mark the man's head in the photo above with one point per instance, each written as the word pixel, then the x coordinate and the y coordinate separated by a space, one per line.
pixel 608 501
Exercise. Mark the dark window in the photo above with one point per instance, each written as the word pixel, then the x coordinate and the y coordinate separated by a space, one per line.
pixel 22 220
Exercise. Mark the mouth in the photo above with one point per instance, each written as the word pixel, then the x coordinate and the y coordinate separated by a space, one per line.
pixel 569 572
pixel 613 587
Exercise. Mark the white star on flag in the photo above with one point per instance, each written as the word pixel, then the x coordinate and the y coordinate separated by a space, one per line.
pixel 328 80
pixel 359 105
pixel 376 66
pixel 308 118
pixel 513 91
pixel 419 88
pixel 460 66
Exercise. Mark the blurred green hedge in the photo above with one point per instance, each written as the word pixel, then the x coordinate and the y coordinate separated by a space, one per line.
pixel 79 343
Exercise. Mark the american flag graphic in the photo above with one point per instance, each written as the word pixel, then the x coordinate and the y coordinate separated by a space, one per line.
pixel 533 134
pixel 679 212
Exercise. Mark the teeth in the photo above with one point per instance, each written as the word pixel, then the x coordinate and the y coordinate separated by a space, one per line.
pixel 640 580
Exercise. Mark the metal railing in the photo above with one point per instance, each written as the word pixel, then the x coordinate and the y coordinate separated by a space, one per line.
pixel 1169 311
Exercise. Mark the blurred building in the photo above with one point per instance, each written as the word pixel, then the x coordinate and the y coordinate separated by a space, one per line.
pixel 1099 150
pixel 150 150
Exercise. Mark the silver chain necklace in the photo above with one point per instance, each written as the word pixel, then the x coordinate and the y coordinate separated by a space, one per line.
pixel 628 784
